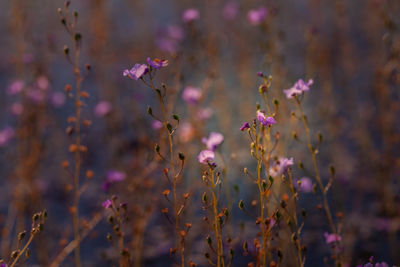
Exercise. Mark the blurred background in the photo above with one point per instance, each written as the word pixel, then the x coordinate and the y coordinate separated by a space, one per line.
pixel 349 48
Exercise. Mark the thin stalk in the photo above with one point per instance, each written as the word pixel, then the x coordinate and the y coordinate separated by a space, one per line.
pixel 217 225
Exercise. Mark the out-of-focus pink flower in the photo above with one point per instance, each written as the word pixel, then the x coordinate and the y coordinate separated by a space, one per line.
pixel 206 156
pixel 230 10
pixel 157 125
pixel 306 185
pixel 332 238
pixel 257 16
pixel 137 71
pixel 36 95
pixel 102 108
pixel 213 141
pixel 298 88
pixel 17 109
pixel 43 83
pixel 157 63
pixel 190 15
pixel 5 135
pixel 186 132
pixel 114 176
pixel 58 99
pixel 205 113
pixel 28 58
pixel 192 95
pixel 280 166
pixel 168 39
pixel 15 87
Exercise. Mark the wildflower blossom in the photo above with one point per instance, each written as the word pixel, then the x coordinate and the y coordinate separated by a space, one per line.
pixel 156 125
pixel 157 63
pixel 43 83
pixel 257 16
pixel 58 99
pixel 267 121
pixel 298 88
pixel 102 108
pixel 191 95
pixel 206 156
pixel 168 39
pixel 37 96
pixel 17 109
pixel 115 176
pixel 245 126
pixel 190 15
pixel 15 87
pixel 205 113
pixel 332 238
pixel 107 204
pixel 186 132
pixel 213 141
pixel 5 135
pixel 306 185
pixel 137 71
pixel 280 166
pixel 230 10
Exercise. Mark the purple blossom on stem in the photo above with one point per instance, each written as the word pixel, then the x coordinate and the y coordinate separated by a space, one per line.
pixel 205 113
pixel 280 166
pixel 266 121
pixel 157 63
pixel 102 108
pixel 213 141
pixel 306 185
pixel 43 83
pixel 191 95
pixel 190 15
pixel 137 71
pixel 15 87
pixel 332 238
pixel 298 88
pixel 245 126
pixel 17 109
pixel 107 204
pixel 206 156
pixel 257 16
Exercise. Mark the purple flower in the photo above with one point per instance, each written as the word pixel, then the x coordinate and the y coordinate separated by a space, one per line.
pixel 306 185
pixel 5 135
pixel 107 204
pixel 190 15
pixel 205 113
pixel 191 95
pixel 280 166
pixel 157 63
pixel 157 125
pixel 381 264
pixel 260 74
pixel 36 95
pixel 186 132
pixel 266 121
pixel 16 87
pixel 206 156
pixel 137 71
pixel 3 265
pixel 17 109
pixel 114 176
pixel 257 16
pixel 58 99
pixel 245 126
pixel 230 10
pixel 213 141
pixel 298 88
pixel 102 108
pixel 332 238
pixel 169 38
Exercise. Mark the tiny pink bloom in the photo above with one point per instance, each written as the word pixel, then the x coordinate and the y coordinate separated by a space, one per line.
pixel 190 15
pixel 298 88
pixel 306 185
pixel 186 132
pixel 206 156
pixel 192 95
pixel 157 63
pixel 137 71
pixel 43 83
pixel 102 108
pixel 156 125
pixel 205 113
pixel 332 238
pixel 15 87
pixel 230 10
pixel 58 99
pixel 114 176
pixel 280 166
pixel 213 141
pixel 5 136
pixel 266 121
pixel 107 204
pixel 257 16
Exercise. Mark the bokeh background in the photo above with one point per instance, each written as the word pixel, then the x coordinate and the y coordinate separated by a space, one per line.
pixel 350 48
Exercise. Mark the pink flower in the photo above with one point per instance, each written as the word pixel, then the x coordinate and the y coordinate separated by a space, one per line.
pixel 102 108
pixel 257 16
pixel 17 109
pixel 298 88
pixel 192 95
pixel 157 125
pixel 306 185
pixel 332 238
pixel 107 204
pixel 280 166
pixel 137 71
pixel 205 113
pixel 58 99
pixel 15 87
pixel 114 176
pixel 213 141
pixel 206 156
pixel 157 63
pixel 230 10
pixel 190 15
pixel 266 121
pixel 43 83
pixel 245 126
pixel 5 136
